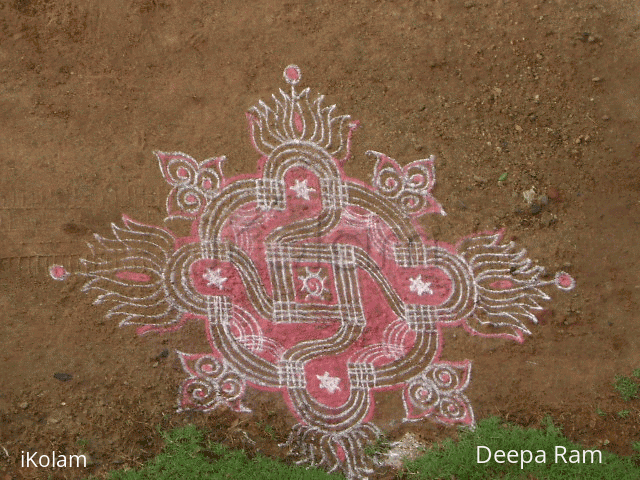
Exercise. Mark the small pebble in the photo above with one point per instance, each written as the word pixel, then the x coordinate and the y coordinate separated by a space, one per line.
pixel 535 209
pixel 24 405
pixel 63 377
pixel 163 354
pixel 547 219
pixel 605 117
pixel 518 128
pixel 596 79
pixel 543 200
pixel 479 179
pixel 553 193
pixel 529 195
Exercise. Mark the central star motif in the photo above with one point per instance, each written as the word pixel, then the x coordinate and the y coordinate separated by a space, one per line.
pixel 302 190
pixel 331 384
pixel 420 287
pixel 214 277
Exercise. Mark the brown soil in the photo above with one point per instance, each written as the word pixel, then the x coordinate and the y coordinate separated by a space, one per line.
pixel 547 91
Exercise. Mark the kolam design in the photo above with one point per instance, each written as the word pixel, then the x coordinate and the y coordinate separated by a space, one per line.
pixel 313 284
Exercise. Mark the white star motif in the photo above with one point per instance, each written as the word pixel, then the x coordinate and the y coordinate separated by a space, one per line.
pixel 420 287
pixel 328 382
pixel 302 189
pixel 214 277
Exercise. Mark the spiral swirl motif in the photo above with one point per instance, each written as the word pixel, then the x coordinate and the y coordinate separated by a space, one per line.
pixel 411 201
pixel 190 199
pixel 423 394
pixel 419 178
pixel 389 182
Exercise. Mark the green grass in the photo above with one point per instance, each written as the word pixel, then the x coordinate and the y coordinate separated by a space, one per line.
pixel 626 387
pixel 459 459
pixel 185 456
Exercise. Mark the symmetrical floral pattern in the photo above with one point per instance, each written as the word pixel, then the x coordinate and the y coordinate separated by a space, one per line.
pixel 315 284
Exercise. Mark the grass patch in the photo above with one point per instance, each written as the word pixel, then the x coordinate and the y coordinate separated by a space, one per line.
pixel 184 457
pixel 459 459
pixel 626 387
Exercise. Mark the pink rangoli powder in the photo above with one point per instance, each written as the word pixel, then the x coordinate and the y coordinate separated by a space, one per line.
pixel 314 284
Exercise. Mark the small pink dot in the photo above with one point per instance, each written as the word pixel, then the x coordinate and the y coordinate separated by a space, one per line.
pixel 445 377
pixel 191 199
pixel 182 172
pixel 564 281
pixel 227 388
pixel 292 74
pixel 58 272
pixel 207 368
pixel 206 184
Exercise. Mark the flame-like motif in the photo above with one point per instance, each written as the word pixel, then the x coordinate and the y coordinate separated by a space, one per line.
pixel 508 287
pixel 296 119
pixel 334 451
pixel 129 271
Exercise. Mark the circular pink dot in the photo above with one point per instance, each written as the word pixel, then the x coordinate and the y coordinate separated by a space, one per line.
pixel 206 184
pixel 58 272
pixel 292 74
pixel 564 281
pixel 445 377
pixel 191 198
pixel 207 368
pixel 182 172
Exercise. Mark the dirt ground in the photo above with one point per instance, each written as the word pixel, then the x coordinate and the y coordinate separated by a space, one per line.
pixel 546 91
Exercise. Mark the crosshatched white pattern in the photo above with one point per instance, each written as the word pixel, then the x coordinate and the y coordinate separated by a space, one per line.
pixel 315 284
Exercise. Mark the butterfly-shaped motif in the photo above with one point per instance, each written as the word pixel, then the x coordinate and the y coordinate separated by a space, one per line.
pixel 194 183
pixel 410 186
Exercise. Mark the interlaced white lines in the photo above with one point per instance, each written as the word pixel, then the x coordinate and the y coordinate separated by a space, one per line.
pixel 314 284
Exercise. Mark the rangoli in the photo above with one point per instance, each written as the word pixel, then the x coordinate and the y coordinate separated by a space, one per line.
pixel 314 284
